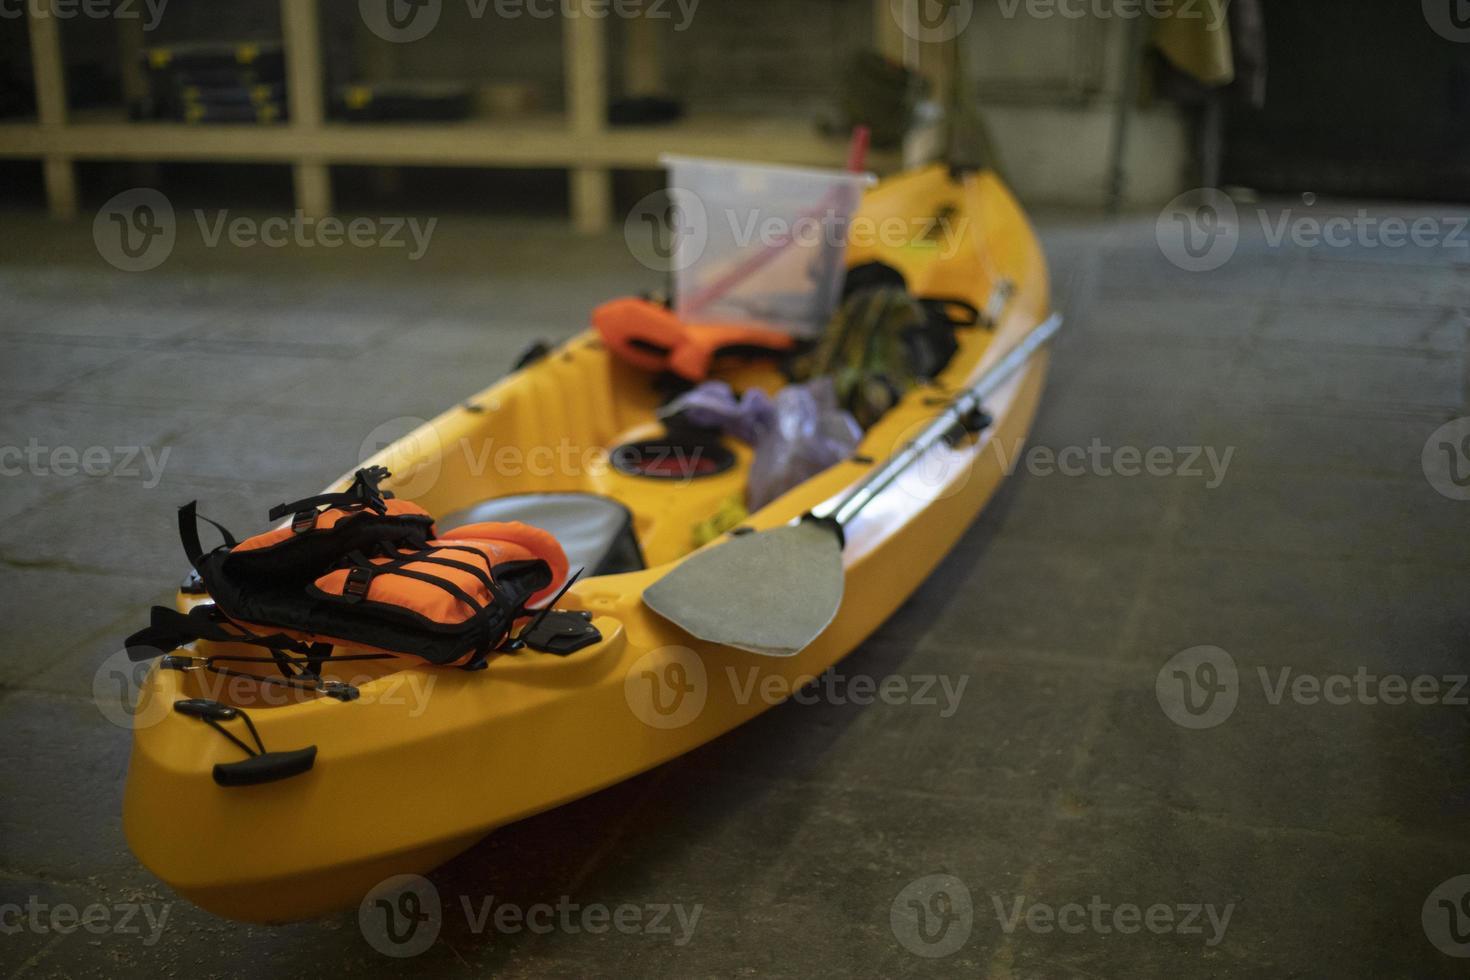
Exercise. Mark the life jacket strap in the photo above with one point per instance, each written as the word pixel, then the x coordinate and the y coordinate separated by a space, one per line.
pixel 169 629
pixel 189 519
pixel 481 614
pixel 363 492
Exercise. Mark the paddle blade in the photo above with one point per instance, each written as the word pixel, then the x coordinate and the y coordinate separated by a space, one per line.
pixel 770 593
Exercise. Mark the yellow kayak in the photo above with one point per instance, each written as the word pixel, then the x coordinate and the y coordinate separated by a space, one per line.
pixel 426 760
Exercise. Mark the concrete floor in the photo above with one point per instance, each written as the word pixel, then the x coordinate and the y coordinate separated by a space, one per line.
pixel 1060 778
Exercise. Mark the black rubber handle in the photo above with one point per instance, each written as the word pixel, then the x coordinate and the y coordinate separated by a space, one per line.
pixel 267 767
pixel 205 709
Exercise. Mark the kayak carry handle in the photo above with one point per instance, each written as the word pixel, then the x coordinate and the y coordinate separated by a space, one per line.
pixel 258 766
pixel 268 767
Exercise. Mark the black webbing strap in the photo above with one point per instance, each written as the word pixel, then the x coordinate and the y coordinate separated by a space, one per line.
pixel 400 559
pixel 189 518
pixel 427 555
pixel 443 583
pixel 364 492
pixel 481 613
pixel 169 629
pixel 354 591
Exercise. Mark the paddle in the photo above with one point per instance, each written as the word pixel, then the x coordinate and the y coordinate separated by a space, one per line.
pixel 773 592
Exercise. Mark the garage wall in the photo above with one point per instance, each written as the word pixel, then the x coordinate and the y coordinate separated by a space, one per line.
pixel 1049 88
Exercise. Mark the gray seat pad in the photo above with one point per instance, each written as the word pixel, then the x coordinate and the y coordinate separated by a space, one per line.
pixel 596 532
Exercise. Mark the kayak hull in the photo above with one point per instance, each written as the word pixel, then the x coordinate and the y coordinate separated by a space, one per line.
pixel 428 760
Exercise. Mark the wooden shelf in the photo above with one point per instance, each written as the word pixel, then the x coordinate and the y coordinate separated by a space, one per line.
pixel 486 143
pixel 578 140
pixel 535 142
pixel 733 137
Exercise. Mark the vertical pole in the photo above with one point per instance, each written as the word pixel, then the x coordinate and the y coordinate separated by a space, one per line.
pixel 592 203
pixel 312 183
pixel 60 177
pixel 584 40
pixel 378 62
pixel 643 59
pixel 938 61
pixel 50 81
pixel 301 29
pixel 1123 118
pixel 913 49
pixel 887 33
pixel 131 42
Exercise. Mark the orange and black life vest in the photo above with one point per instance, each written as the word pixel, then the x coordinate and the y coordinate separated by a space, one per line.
pixel 362 569
pixel 651 336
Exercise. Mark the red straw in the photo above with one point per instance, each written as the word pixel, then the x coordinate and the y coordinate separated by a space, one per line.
pixel 857 150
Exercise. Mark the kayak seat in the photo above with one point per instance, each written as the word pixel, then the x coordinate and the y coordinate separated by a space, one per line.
pixel 596 532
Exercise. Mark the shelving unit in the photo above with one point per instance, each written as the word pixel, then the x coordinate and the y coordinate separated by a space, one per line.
pixel 578 140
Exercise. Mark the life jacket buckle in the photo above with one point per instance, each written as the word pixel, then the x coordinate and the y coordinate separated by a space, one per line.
pixel 303 521
pixel 356 587
pixel 338 690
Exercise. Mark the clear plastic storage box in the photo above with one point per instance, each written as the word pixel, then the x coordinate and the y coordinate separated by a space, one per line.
pixel 760 244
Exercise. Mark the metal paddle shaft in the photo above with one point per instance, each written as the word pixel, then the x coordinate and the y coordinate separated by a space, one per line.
pixel 847 507
pixel 774 592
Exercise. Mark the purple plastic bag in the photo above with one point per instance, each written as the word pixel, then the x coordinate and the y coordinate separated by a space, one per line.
pixel 811 434
pixel 795 436
pixel 713 405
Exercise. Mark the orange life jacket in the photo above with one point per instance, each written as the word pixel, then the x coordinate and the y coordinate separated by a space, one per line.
pixel 364 570
pixel 651 336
